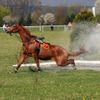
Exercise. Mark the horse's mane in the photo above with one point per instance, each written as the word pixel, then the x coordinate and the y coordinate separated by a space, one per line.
pixel 28 32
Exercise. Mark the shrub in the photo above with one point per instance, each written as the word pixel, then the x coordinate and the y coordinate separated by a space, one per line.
pixel 85 15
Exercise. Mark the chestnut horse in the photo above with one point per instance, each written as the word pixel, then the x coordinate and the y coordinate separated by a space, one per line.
pixel 41 51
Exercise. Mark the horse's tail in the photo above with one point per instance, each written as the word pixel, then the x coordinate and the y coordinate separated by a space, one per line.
pixel 76 53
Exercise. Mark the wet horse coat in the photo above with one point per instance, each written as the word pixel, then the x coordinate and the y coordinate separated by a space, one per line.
pixel 42 51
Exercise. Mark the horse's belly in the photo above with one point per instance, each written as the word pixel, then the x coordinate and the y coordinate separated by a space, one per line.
pixel 45 54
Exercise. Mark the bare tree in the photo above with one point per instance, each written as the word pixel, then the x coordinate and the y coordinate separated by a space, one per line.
pixel 60 14
pixel 21 7
pixel 97 5
pixel 35 16
pixel 41 20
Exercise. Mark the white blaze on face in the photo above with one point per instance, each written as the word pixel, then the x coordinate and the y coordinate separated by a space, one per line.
pixel 4 27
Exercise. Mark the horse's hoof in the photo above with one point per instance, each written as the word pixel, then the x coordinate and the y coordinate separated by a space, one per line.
pixel 32 69
pixel 39 69
pixel 74 68
pixel 15 70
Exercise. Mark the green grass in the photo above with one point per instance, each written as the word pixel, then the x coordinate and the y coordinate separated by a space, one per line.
pixel 45 85
pixel 50 85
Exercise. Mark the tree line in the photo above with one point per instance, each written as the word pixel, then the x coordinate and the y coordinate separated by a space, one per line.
pixel 30 12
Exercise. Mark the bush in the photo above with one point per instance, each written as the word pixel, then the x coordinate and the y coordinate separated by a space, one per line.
pixel 85 15
pixel 70 18
pixel 3 12
pixel 26 21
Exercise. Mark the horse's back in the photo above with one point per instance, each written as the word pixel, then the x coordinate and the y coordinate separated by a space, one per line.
pixel 52 51
pixel 59 50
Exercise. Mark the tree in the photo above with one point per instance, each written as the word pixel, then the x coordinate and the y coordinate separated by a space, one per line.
pixel 72 11
pixel 35 16
pixel 49 18
pixel 97 6
pixel 28 20
pixel 41 20
pixel 3 12
pixel 70 18
pixel 60 13
pixel 10 19
pixel 85 15
pixel 97 10
pixel 21 8
pixel 22 21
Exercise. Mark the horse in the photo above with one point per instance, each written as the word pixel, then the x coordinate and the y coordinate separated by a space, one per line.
pixel 41 51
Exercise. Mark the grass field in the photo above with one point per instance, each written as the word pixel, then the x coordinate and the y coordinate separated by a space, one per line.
pixel 45 85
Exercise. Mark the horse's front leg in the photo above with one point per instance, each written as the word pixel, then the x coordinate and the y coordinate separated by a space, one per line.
pixel 20 61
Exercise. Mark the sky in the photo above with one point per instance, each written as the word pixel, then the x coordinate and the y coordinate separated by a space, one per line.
pixel 68 2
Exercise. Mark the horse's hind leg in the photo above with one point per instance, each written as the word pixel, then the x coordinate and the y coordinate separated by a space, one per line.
pixel 35 56
pixel 62 62
pixel 65 62
pixel 71 61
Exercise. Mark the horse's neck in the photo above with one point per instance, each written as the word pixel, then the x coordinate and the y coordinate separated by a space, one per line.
pixel 25 35
pixel 26 32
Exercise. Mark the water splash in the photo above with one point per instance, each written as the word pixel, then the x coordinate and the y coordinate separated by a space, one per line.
pixel 89 36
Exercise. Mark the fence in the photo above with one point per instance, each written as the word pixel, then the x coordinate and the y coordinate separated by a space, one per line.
pixel 43 28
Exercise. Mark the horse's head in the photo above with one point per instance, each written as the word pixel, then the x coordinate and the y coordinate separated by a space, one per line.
pixel 11 28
